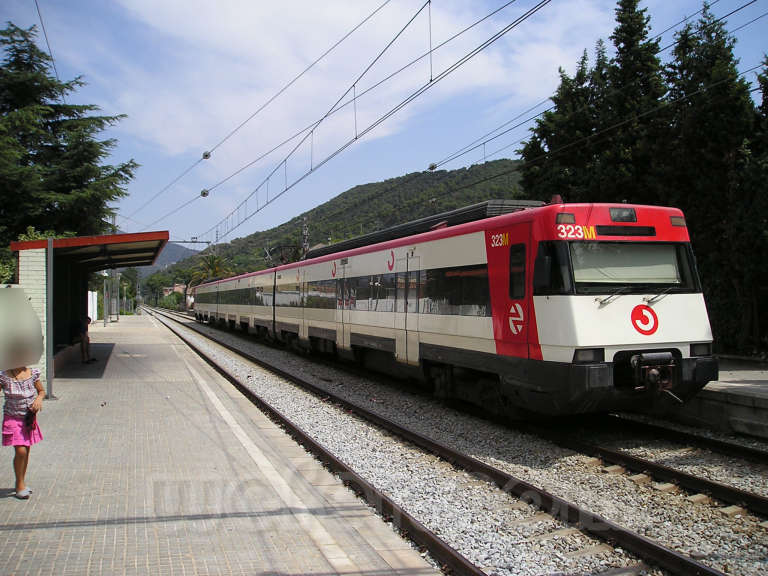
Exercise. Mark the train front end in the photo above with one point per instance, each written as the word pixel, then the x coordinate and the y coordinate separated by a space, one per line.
pixel 619 314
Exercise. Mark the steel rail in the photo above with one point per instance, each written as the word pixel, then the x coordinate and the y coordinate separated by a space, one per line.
pixel 754 502
pixel 557 507
pixel 713 444
pixel 385 506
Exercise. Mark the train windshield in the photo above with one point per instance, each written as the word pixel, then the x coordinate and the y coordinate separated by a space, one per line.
pixel 636 267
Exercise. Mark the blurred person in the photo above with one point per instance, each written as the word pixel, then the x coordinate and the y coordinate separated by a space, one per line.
pixel 24 395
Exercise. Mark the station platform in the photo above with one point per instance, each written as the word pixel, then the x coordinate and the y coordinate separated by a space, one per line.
pixel 737 402
pixel 152 463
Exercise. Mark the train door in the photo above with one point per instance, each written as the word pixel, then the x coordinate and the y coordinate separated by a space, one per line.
pixel 401 287
pixel 338 271
pixel 508 257
pixel 412 295
pixel 301 278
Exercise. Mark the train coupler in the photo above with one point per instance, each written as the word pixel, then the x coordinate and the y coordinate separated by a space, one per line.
pixel 654 371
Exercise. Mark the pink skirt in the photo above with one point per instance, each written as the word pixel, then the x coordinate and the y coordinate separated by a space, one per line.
pixel 16 433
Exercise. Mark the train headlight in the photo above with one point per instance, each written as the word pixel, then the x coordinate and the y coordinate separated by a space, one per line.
pixel 701 349
pixel 589 355
pixel 623 214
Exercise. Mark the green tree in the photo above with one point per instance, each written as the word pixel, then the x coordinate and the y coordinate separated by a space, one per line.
pixel 557 157
pixel 709 151
pixel 755 177
pixel 130 277
pixel 172 301
pixel 155 284
pixel 184 275
pixel 52 167
pixel 636 87
pixel 211 266
pixel 597 144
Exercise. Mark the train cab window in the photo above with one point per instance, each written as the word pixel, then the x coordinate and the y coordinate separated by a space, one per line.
pixel 635 267
pixel 517 271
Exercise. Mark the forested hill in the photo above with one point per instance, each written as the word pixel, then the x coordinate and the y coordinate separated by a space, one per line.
pixel 369 207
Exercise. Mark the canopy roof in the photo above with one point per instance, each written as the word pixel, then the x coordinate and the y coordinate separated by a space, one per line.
pixel 102 252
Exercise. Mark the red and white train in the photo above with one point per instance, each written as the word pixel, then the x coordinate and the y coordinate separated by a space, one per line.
pixel 551 309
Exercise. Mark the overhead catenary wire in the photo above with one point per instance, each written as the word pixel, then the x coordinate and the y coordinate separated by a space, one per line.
pixel 297 77
pixel 359 95
pixel 417 59
pixel 683 21
pixel 604 131
pixel 485 139
pixel 463 60
pixel 174 211
pixel 207 154
pixel 594 137
pixel 48 44
pixel 339 107
pixel 731 13
pixel 481 140
pixel 326 115
pixel 553 153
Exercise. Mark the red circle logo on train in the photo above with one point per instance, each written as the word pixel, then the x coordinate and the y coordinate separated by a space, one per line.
pixel 644 319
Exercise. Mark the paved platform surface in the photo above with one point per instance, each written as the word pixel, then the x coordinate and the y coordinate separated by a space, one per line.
pixel 742 377
pixel 737 402
pixel 153 464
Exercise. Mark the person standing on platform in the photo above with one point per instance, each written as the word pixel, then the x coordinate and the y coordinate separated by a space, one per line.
pixel 23 401
pixel 85 341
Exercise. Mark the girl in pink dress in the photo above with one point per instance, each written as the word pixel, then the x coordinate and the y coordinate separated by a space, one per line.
pixel 23 400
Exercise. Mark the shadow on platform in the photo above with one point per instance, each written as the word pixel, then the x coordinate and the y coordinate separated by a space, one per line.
pixel 76 369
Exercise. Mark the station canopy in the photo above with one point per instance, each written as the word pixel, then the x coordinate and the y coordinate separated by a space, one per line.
pixel 95 253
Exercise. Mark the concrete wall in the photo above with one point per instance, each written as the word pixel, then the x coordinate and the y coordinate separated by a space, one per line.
pixel 31 272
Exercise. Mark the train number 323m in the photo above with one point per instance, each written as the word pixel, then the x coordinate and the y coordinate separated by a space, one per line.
pixel 574 231
pixel 498 240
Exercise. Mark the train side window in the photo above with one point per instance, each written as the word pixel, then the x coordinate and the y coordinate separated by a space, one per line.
pixel 416 280
pixel 551 274
pixel 401 281
pixel 517 271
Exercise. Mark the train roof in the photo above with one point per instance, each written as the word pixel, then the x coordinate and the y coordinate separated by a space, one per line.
pixel 480 211
pixel 441 227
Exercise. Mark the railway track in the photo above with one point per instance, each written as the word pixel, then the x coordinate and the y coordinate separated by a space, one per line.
pixel 730 449
pixel 696 484
pixel 564 511
pixel 645 469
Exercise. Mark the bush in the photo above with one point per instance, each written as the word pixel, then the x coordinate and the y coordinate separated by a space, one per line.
pixel 174 301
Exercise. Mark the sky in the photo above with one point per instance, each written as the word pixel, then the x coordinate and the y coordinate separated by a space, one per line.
pixel 188 73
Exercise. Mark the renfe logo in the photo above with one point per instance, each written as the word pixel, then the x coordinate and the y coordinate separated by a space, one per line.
pixel 516 319
pixel 644 319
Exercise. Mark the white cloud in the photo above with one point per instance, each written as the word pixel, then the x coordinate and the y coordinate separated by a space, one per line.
pixel 224 59
pixel 187 71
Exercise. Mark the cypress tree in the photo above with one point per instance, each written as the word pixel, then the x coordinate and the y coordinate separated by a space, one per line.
pixel 709 150
pixel 559 155
pixel 635 91
pixel 52 174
